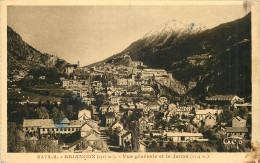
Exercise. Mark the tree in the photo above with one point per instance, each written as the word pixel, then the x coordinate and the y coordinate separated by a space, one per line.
pixel 181 147
pixel 42 113
pixel 226 115
pixel 190 147
pixel 171 146
pixel 46 145
pixel 60 116
pixel 191 128
pixel 15 138
pixel 116 131
pixel 243 112
pixel 54 113
pixel 69 112
pixel 218 135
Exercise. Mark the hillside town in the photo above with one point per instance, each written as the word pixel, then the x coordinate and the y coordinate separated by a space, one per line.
pixel 125 110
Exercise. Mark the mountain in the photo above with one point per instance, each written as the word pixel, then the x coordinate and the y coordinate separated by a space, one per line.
pixel 166 34
pixel 22 56
pixel 205 61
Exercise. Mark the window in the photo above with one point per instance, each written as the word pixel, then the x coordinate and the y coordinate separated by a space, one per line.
pixel 72 129
pixel 57 129
pixel 32 128
pixel 53 129
pixel 26 128
pixel 68 129
pixel 61 129
pixel 43 129
pixel 65 129
pixel 48 130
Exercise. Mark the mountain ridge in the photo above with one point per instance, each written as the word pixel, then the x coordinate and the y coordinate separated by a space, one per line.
pixel 22 56
pixel 219 43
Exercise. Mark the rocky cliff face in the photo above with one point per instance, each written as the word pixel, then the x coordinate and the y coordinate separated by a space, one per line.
pixel 22 56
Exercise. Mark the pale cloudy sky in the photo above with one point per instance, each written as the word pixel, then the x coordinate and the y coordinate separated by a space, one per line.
pixel 92 33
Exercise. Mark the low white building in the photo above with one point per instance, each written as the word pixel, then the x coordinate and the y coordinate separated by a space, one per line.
pixel 183 136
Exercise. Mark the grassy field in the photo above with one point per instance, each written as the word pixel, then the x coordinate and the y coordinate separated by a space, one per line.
pixel 46 87
pixel 48 90
pixel 32 97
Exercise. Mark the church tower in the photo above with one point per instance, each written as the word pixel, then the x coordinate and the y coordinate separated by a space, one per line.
pixel 78 63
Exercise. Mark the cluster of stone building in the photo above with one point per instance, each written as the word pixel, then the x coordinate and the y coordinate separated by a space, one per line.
pixel 135 82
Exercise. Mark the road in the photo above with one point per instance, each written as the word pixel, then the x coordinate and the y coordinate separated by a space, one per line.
pixel 104 136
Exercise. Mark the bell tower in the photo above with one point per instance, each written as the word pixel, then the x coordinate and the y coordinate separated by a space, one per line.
pixel 78 63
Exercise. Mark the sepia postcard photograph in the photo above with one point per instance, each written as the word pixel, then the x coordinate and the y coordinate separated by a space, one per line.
pixel 130 81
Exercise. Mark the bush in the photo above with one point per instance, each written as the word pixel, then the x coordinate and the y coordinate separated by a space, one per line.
pixel 171 146
pixel 181 147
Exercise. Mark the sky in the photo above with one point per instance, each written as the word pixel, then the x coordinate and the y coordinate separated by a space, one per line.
pixel 93 33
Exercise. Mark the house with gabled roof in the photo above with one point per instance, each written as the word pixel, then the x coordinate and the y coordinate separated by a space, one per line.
pixel 201 114
pixel 92 123
pixel 236 131
pixel 113 108
pixel 210 120
pixel 86 128
pixel 81 144
pixel 238 122
pixel 77 122
pixel 32 125
pixel 123 137
pixel 117 125
pixel 103 108
pixel 126 138
pixel 181 112
pixel 114 100
pixel 195 120
pixel 248 105
pixel 145 123
pixel 84 114
pixel 109 118
pixel 153 106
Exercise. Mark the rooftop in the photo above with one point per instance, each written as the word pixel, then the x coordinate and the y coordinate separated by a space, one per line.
pixel 37 122
pixel 65 120
pixel 237 129
pixel 221 97
pixel 183 134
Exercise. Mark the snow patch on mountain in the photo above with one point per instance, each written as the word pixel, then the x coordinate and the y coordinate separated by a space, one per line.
pixel 160 34
pixel 175 26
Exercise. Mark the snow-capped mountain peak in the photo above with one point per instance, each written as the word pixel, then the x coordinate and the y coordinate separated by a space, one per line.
pixel 174 26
